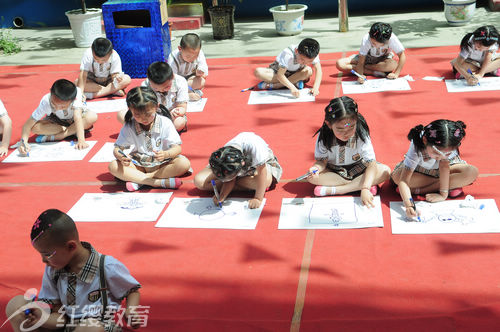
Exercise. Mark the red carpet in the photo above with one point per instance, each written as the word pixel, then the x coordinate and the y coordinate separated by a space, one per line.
pixel 230 280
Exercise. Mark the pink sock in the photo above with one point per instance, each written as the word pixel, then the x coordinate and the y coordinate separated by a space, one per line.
pixel 171 183
pixel 324 190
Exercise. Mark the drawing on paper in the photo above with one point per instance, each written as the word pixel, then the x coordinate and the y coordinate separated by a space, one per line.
pixel 52 151
pixel 196 106
pixel 329 213
pixel 279 96
pixel 447 217
pixel 202 213
pixel 376 85
pixel 119 206
pixel 485 84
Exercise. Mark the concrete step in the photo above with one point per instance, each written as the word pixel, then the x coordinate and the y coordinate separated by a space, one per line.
pixel 186 23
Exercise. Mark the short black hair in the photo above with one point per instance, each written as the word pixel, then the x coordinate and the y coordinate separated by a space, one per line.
pixel 309 47
pixel 55 226
pixel 190 40
pixel 64 89
pixel 102 47
pixel 381 32
pixel 159 72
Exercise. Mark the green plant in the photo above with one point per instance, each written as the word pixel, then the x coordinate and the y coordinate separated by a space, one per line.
pixel 8 43
pixel 84 6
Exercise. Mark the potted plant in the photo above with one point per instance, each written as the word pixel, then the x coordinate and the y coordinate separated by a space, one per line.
pixel 459 12
pixel 288 18
pixel 222 19
pixel 85 24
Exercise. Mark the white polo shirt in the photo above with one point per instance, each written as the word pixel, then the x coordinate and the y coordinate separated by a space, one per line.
pixel 253 147
pixel 288 59
pixel 112 66
pixel 184 68
pixel 342 155
pixel 45 108
pixel 178 93
pixel 393 44
pixel 3 110
pixel 413 158
pixel 471 53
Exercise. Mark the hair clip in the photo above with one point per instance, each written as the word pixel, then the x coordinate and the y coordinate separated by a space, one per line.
pixel 421 134
pixel 457 133
pixel 429 126
pixel 432 133
pixel 437 142
pixel 347 124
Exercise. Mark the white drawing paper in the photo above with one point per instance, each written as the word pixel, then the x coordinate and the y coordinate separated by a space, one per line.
pixel 105 154
pixel 202 213
pixel 329 213
pixel 279 96
pixel 196 106
pixel 119 206
pixel 375 85
pixel 51 151
pixel 485 84
pixel 447 217
pixel 107 106
pixel 433 78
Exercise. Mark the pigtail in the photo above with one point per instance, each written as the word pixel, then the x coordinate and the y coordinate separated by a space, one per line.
pixel 128 116
pixel 415 135
pixel 464 44
pixel 362 129
pixel 326 136
pixel 162 110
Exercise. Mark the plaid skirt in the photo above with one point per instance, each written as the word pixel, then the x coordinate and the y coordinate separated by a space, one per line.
pixel 63 122
pixel 349 172
pixel 431 172
pixel 275 66
pixel 373 60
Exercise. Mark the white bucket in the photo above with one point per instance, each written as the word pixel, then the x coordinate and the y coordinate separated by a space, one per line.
pixel 289 22
pixel 459 12
pixel 86 27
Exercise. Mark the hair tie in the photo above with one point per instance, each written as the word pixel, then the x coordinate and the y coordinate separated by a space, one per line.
pixel 421 134
pixel 457 133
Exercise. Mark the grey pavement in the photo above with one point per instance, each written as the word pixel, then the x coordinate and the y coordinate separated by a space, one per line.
pixel 258 37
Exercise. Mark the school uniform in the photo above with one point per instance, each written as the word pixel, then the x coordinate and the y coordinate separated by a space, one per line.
pixel 288 59
pixel 257 153
pixel 375 55
pixel 178 93
pixel 84 291
pixel 476 57
pixel 421 162
pixel 101 73
pixel 61 117
pixel 3 110
pixel 187 69
pixel 161 136
pixel 348 160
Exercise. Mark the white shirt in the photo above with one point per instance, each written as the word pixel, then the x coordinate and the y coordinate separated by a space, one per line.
pixel 3 110
pixel 471 53
pixel 178 93
pixel 45 107
pixel 118 279
pixel 342 155
pixel 288 59
pixel 161 136
pixel 253 147
pixel 112 66
pixel 184 68
pixel 393 44
pixel 414 159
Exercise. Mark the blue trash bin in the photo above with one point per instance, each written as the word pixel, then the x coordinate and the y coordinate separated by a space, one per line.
pixel 139 32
